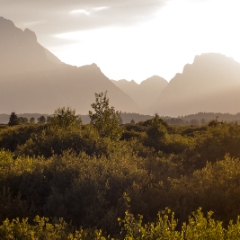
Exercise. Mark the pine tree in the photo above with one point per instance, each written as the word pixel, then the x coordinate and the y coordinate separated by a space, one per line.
pixel 13 119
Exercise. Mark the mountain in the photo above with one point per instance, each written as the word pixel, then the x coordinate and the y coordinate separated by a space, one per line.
pixel 32 79
pixel 210 84
pixel 20 52
pixel 145 93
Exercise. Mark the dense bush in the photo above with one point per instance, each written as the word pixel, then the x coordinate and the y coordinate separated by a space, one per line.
pixel 64 169
pixel 198 227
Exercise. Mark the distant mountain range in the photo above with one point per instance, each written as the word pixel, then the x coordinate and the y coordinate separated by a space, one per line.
pixel 33 80
pixel 145 93
pixel 210 84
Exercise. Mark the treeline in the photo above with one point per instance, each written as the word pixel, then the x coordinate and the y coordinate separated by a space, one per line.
pixel 205 117
pixel 93 174
pixel 201 118
pixel 25 118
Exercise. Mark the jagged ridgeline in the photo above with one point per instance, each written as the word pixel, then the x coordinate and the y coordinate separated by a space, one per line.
pixel 210 84
pixel 39 82
pixel 33 80
pixel 63 179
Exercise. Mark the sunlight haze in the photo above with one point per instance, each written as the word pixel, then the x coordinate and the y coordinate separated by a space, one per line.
pixel 131 39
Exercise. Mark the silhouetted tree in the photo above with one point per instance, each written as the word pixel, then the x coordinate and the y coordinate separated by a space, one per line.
pixel 203 122
pixel 157 133
pixel 32 120
pixel 13 119
pixel 49 119
pixel 22 120
pixel 42 120
pixel 194 122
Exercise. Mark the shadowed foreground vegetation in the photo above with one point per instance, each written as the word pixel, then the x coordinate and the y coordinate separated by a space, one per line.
pixel 91 181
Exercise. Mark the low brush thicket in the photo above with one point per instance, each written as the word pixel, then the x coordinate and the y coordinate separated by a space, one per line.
pixel 66 180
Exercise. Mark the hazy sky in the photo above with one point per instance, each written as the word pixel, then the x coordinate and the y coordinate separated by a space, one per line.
pixel 130 39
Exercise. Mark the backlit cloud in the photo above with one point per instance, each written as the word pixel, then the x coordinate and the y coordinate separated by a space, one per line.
pixel 97 9
pixel 89 11
pixel 80 11
pixel 106 12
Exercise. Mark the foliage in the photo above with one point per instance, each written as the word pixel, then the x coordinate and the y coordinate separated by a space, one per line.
pixel 65 118
pixel 105 119
pixel 42 120
pixel 64 169
pixel 32 120
pixel 22 120
pixel 12 137
pixel 13 119
pixel 198 227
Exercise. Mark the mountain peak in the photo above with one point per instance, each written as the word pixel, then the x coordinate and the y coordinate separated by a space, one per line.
pixel 143 94
pixel 208 84
pixel 5 22
pixel 212 56
pixel 8 28
pixel 215 59
pixel 33 79
pixel 20 51
pixel 133 82
pixel 155 79
pixel 90 68
pixel 30 35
